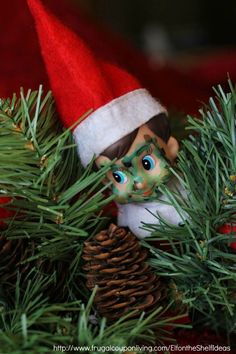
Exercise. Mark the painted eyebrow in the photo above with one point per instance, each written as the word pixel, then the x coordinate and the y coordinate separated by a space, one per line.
pixel 117 168
pixel 138 152
pixel 142 148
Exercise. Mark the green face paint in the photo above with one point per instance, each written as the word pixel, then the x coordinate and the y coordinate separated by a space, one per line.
pixel 147 169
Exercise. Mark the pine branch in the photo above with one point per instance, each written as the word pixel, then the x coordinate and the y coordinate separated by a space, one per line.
pixel 55 203
pixel 200 259
pixel 32 325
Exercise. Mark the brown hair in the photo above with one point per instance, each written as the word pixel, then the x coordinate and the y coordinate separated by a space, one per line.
pixel 159 125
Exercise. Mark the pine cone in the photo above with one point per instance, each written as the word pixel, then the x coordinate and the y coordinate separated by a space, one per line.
pixel 115 261
pixel 13 253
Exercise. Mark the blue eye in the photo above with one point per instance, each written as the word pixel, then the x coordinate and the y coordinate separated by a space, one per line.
pixel 120 177
pixel 148 162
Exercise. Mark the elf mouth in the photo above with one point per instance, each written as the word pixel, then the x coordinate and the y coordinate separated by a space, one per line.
pixel 147 193
pixel 143 194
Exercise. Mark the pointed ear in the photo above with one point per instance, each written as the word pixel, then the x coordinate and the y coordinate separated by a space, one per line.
pixel 100 162
pixel 173 148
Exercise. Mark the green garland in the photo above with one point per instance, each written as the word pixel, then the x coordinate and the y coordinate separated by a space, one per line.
pixel 55 206
pixel 200 262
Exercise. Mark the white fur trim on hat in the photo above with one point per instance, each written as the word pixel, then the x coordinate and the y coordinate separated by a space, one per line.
pixel 111 122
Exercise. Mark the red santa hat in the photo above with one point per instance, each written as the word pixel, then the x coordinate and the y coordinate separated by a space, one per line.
pixel 80 81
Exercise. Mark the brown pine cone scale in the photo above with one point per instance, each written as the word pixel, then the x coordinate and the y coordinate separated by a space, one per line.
pixel 116 263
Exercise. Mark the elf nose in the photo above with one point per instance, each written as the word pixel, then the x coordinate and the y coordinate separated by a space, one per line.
pixel 138 184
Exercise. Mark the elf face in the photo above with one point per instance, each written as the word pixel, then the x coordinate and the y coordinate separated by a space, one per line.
pixel 137 175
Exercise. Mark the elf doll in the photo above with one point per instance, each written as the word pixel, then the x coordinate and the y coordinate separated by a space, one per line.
pixel 127 128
